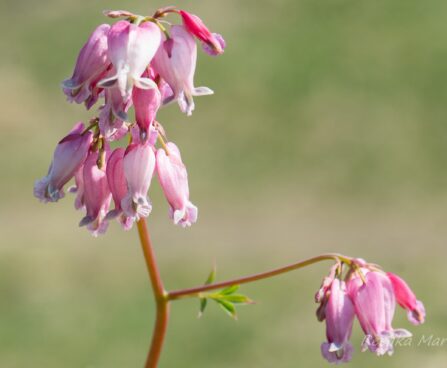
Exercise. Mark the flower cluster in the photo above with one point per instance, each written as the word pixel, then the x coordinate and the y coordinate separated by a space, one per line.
pixel 136 62
pixel 370 294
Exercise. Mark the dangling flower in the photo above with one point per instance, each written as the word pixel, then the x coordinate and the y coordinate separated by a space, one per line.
pixel 69 155
pixel 118 187
pixel 139 165
pixel 407 300
pixel 339 312
pixel 213 43
pixel 131 48
pixel 175 62
pixel 114 114
pixel 78 188
pixel 173 178
pixel 97 194
pixel 92 62
pixel 146 103
pixel 375 303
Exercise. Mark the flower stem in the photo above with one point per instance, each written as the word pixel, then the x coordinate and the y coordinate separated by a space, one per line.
pixel 195 291
pixel 160 295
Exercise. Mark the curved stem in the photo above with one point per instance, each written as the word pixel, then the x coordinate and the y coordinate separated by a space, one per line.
pixel 195 291
pixel 160 295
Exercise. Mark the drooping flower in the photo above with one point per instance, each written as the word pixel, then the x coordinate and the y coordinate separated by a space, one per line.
pixel 139 165
pixel 146 103
pixel 78 188
pixel 375 303
pixel 131 48
pixel 173 178
pixel 339 312
pixel 175 62
pixel 114 114
pixel 118 187
pixel 407 299
pixel 69 155
pixel 92 62
pixel 97 194
pixel 213 43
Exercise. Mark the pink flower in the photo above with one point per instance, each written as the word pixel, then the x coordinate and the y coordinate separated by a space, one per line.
pixel 131 48
pixel 407 300
pixel 97 195
pixel 118 187
pixel 213 43
pixel 174 182
pixel 139 165
pixel 146 103
pixel 114 114
pixel 91 63
pixel 78 188
pixel 340 314
pixel 175 61
pixel 69 155
pixel 375 303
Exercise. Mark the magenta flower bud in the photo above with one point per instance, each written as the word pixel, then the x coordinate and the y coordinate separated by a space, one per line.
pixel 173 178
pixel 97 195
pixel 91 63
pixel 139 165
pixel 131 48
pixel 118 187
pixel 407 300
pixel 69 155
pixel 213 43
pixel 175 62
pixel 146 103
pixel 375 303
pixel 340 314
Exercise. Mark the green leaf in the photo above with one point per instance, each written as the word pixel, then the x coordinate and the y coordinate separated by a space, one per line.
pixel 229 290
pixel 211 276
pixel 238 299
pixel 203 303
pixel 228 307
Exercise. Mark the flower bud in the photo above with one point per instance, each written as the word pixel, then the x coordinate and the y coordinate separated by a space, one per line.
pixel 173 178
pixel 69 155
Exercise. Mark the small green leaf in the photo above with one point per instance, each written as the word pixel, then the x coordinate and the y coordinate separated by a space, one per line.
pixel 229 290
pixel 211 276
pixel 227 307
pixel 238 299
pixel 203 303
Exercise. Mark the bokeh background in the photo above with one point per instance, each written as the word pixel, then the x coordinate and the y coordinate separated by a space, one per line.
pixel 327 132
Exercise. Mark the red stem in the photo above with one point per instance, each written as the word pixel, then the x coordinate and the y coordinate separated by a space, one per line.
pixel 160 295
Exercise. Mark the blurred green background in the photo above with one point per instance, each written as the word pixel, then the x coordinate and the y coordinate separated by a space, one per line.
pixel 327 132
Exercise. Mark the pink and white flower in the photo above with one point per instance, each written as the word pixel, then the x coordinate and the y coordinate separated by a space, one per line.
pixel 339 312
pixel 118 187
pixel 131 49
pixel 92 62
pixel 173 178
pixel 139 165
pixel 68 157
pixel 375 303
pixel 407 299
pixel 175 62
pixel 97 194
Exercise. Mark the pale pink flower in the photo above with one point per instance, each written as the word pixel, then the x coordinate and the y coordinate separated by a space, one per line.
pixel 213 43
pixel 131 48
pixel 375 303
pixel 92 62
pixel 139 165
pixel 339 312
pixel 78 188
pixel 118 187
pixel 69 155
pixel 146 104
pixel 173 178
pixel 97 195
pixel 407 300
pixel 175 62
